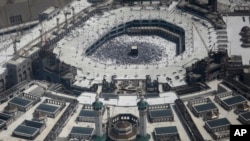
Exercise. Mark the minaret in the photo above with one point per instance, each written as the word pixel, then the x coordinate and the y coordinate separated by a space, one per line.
pixel 143 107
pixel 97 106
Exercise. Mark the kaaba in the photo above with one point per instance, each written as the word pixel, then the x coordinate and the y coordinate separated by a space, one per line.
pixel 134 51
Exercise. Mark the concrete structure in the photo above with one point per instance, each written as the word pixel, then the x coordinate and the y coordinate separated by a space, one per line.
pixel 48 14
pixel 230 101
pixel 87 114
pixel 204 108
pixel 11 110
pixel 51 107
pixel 218 128
pixel 39 116
pixel 19 70
pixel 5 120
pixel 166 133
pixel 20 67
pixel 160 113
pixel 244 118
pixel 81 133
pixel 3 80
pixel 29 129
pixel 24 102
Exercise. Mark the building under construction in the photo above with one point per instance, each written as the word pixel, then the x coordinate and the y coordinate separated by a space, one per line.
pixel 16 12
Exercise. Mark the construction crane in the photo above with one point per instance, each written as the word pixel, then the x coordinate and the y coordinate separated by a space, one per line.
pixel 43 34
pixel 14 41
pixel 73 10
pixel 30 4
pixel 57 24
pixel 66 20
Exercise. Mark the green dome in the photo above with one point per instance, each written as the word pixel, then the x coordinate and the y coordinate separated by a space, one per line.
pixel 142 104
pixel 97 105
pixel 141 138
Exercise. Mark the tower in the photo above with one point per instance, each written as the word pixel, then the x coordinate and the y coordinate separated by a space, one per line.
pixel 97 106
pixel 142 107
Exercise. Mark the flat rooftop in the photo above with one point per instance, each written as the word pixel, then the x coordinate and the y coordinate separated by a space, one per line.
pixel 28 115
pixel 245 115
pixel 26 130
pixel 4 116
pixel 47 108
pixel 73 123
pixel 217 123
pixel 35 90
pixel 199 122
pixel 82 130
pixel 166 130
pixel 20 101
pixel 205 107
pixel 87 113
pixel 160 113
pixel 115 110
pixel 234 100
pixel 31 123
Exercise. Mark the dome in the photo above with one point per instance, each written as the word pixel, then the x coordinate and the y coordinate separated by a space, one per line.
pixel 39 116
pixel 212 115
pixel 245 34
pixel 123 125
pixel 142 104
pixel 245 29
pixel 246 40
pixel 97 105
pixel 243 107
pixel 245 45
pixel 10 109
pixel 123 130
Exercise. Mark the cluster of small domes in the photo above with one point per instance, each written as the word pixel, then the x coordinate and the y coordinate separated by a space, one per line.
pixel 245 36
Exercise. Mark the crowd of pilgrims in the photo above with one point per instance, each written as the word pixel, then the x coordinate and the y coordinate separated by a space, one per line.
pixel 117 50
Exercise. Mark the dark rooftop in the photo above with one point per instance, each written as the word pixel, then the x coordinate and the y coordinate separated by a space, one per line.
pixel 123 124
pixel 234 100
pixel 205 107
pixel 20 101
pixel 123 136
pixel 246 115
pixel 82 130
pixel 166 130
pixel 47 108
pixel 160 113
pixel 218 122
pixel 5 116
pixel 32 124
pixel 26 130
pixel 87 113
